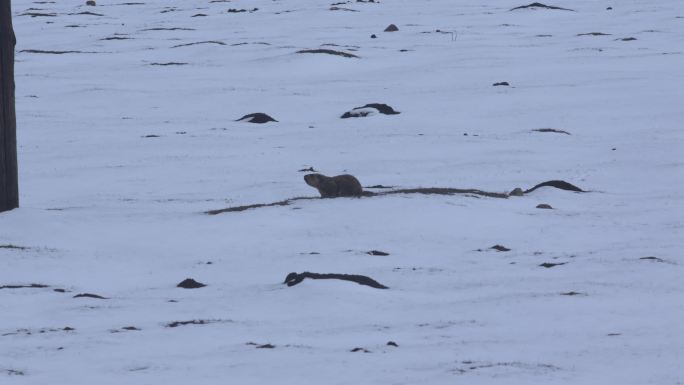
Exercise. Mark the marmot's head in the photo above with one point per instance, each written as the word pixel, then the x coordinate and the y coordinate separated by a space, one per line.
pixel 313 180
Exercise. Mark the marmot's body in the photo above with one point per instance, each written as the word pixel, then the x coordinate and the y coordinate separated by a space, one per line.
pixel 336 186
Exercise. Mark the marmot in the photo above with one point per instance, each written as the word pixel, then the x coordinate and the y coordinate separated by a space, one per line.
pixel 336 186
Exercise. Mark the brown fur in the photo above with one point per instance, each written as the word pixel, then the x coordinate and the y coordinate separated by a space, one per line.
pixel 336 186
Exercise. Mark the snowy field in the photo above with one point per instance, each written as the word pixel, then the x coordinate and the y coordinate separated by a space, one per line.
pixel 127 135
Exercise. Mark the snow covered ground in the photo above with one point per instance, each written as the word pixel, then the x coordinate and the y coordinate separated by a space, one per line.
pixel 120 154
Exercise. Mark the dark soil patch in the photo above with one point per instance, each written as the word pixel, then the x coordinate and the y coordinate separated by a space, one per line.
pixel 38 14
pixel 381 107
pixel 29 332
pixel 89 295
pixel 310 169
pixel 628 39
pixel 233 10
pixel 31 286
pixel 351 47
pixel 50 52
pixel 655 259
pixel 88 13
pixel 15 247
pixel 364 350
pixel 544 206
pixel 392 343
pixel 501 84
pixel 443 191
pixel 540 5
pixel 172 63
pixel 192 322
pixel 343 9
pixel 254 206
pixel 378 253
pixel 199 15
pixel 426 191
pixel 379 186
pixel 500 248
pixel 129 328
pixel 245 43
pixel 551 130
pixel 549 265
pixel 560 184
pixel 572 293
pixel 117 38
pixel 472 365
pixel 266 346
pixel 593 34
pixel 190 283
pixel 329 52
pixel 296 278
pixel 391 28
pixel 355 114
pixel 258 117
pixel 168 29
pixel 14 372
pixel 200 42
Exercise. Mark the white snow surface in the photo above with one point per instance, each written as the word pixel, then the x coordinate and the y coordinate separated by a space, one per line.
pixel 107 210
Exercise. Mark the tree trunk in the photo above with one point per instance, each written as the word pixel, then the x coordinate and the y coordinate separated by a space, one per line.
pixel 9 185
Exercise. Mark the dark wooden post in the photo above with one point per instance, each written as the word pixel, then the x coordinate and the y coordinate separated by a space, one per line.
pixel 9 185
